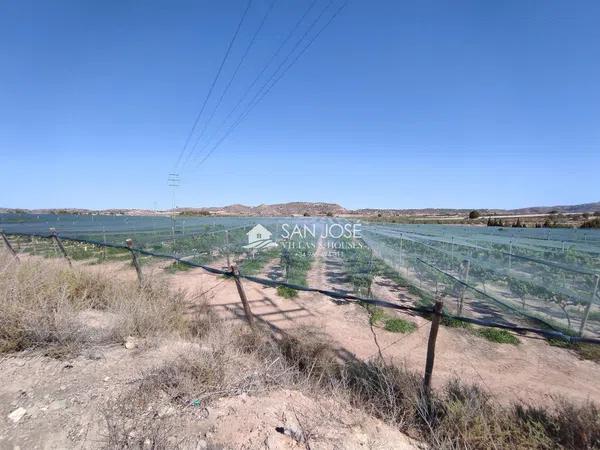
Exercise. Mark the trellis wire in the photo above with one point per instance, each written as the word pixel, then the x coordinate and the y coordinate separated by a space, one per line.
pixel 555 334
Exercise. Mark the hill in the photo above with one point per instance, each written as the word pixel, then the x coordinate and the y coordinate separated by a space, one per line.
pixel 318 209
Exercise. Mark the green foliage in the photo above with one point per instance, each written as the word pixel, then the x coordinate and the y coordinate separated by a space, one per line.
pixel 495 222
pixel 176 266
pixel 593 223
pixel 376 314
pixel 286 292
pixel 296 264
pixel 253 265
pixel 455 323
pixel 194 213
pixel 474 214
pixel 498 335
pixel 397 325
pixel 585 351
pixel 595 316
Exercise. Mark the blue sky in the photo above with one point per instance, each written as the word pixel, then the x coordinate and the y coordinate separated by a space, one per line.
pixel 396 104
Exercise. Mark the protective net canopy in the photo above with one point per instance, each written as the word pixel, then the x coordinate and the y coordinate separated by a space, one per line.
pixel 528 277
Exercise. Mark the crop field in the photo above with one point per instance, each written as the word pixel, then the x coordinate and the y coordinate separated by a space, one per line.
pixel 540 278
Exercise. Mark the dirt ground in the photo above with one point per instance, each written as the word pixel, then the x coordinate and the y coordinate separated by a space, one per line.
pixel 532 371
pixel 48 403
pixel 65 404
pixel 61 404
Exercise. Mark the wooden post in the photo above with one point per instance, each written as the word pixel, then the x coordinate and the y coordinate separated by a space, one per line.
pixel 135 261
pixel 236 276
pixel 435 325
pixel 59 243
pixel 589 305
pixel 10 249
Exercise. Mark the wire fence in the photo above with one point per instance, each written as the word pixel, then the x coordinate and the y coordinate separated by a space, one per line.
pixel 549 290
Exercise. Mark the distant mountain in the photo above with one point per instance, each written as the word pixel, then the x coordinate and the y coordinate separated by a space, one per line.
pixel 320 209
pixel 584 207
pixel 279 209
pixel 581 208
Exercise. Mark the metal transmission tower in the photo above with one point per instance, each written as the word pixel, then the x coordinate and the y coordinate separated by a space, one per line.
pixel 173 182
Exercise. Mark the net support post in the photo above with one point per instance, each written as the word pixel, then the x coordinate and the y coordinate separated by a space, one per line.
pixel 227 247
pixel 235 272
pixel 60 245
pixel 433 332
pixel 135 261
pixel 586 313
pixel 10 248
pixel 464 288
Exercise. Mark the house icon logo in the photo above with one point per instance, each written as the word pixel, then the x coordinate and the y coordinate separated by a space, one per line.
pixel 259 237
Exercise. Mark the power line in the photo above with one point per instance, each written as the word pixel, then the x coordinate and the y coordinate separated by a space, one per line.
pixel 214 82
pixel 264 69
pixel 235 72
pixel 253 101
pixel 253 105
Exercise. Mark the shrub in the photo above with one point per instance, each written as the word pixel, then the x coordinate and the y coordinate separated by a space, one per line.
pixel 397 325
pixel 457 416
pixel 376 314
pixel 590 352
pixel 286 292
pixel 309 351
pixel 474 214
pixel 455 323
pixel 498 335
pixel 46 304
pixel 176 266
pixel 593 223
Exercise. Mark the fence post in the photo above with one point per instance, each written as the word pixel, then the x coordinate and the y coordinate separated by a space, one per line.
pixel 589 305
pixel 10 249
pixel 435 325
pixel 135 261
pixel 236 276
pixel 59 243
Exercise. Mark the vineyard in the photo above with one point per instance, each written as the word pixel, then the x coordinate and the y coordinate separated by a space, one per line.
pixel 542 279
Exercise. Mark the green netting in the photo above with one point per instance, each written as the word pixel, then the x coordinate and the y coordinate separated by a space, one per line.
pixel 525 277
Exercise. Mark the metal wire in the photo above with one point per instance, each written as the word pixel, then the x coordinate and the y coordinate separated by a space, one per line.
pixel 554 334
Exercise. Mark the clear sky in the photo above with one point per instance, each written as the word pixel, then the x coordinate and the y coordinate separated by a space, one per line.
pixel 396 104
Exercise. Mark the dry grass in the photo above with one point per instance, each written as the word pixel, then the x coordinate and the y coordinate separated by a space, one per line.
pixel 227 361
pixel 233 360
pixel 46 304
pixel 230 361
pixel 457 417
